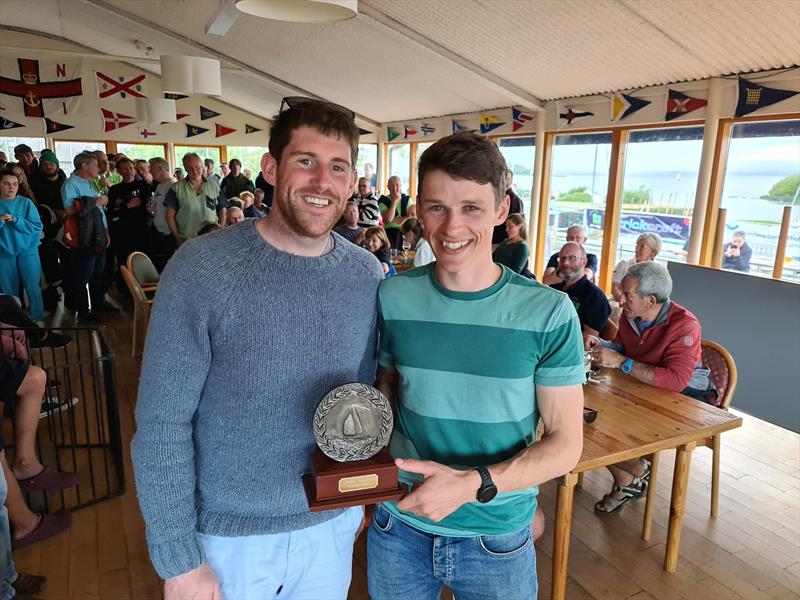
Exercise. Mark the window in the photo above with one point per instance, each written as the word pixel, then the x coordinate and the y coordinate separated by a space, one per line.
pixel 400 164
pixel 205 152
pixel 578 187
pixel 66 151
pixel 143 151
pixel 7 145
pixel 520 153
pixel 658 189
pixel 249 156
pixel 762 175
pixel 368 155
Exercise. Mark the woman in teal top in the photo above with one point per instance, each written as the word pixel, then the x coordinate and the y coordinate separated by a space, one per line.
pixel 513 251
pixel 20 231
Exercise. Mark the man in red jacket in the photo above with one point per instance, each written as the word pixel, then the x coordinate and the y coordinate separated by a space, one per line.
pixel 658 343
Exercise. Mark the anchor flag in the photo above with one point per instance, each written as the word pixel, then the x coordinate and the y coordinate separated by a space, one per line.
pixel 40 88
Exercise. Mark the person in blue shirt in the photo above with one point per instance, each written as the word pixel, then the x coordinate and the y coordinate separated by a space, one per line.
pixel 20 231
pixel 737 253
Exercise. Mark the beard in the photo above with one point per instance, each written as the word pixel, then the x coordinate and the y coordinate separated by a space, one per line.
pixel 571 276
pixel 302 221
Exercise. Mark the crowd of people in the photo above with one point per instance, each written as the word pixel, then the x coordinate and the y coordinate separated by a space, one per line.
pixel 442 327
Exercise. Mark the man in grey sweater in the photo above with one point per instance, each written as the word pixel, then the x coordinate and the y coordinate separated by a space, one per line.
pixel 227 394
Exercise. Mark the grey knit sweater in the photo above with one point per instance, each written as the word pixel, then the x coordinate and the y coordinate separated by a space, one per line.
pixel 243 343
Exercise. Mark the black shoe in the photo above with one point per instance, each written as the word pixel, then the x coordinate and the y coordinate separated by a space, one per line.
pixel 84 317
pixel 51 339
pixel 104 308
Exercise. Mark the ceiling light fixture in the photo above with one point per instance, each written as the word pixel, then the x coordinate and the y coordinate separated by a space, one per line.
pixel 183 74
pixel 300 11
pixel 156 110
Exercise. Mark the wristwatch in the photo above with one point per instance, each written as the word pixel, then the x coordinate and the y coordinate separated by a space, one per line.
pixel 488 489
pixel 626 366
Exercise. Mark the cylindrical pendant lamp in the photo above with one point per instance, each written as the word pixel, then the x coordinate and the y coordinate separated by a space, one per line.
pixel 156 110
pixel 300 11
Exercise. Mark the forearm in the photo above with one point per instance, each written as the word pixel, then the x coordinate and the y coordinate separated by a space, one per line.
pixel 173 226
pixel 554 455
pixel 221 212
pixel 550 277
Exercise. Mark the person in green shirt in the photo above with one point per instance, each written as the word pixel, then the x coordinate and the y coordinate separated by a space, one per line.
pixel 472 357
pixel 105 178
pixel 513 251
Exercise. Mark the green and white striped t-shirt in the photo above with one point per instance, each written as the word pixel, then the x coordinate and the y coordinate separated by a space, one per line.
pixel 468 364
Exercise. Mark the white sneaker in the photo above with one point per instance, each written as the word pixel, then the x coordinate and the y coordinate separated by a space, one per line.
pixel 52 406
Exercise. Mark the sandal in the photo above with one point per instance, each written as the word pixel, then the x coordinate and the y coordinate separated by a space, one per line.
pixel 634 491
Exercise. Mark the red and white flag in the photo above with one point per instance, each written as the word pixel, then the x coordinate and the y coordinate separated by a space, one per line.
pixel 114 120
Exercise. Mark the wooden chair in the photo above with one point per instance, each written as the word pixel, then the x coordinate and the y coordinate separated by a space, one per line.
pixel 144 272
pixel 141 310
pixel 724 376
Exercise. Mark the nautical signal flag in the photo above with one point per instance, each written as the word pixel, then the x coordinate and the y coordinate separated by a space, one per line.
pixel 570 115
pixel 53 127
pixel 490 123
pixel 220 130
pixel 679 104
pixel 624 105
pixel 193 130
pixel 458 127
pixel 171 96
pixel 250 129
pixel 520 118
pixel 426 129
pixel 410 131
pixel 112 120
pixel 207 113
pixel 109 86
pixel 145 134
pixel 753 97
pixel 392 134
pixel 6 124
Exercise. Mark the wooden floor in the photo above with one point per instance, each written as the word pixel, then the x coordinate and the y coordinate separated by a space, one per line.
pixel 752 550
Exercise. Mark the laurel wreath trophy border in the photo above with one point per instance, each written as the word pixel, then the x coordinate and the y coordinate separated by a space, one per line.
pixel 339 452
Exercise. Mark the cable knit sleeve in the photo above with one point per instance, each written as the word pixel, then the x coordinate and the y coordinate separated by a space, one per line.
pixel 174 369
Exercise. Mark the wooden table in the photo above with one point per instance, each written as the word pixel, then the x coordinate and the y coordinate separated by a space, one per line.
pixel 634 420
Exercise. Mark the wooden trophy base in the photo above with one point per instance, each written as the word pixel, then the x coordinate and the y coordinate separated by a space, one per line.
pixel 333 484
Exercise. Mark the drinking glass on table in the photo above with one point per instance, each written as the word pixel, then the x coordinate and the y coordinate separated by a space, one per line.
pixel 406 248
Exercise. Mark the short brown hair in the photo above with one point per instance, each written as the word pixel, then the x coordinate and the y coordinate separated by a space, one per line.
pixel 325 117
pixel 380 234
pixel 466 155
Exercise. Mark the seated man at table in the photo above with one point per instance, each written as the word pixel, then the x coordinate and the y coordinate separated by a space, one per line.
pixel 577 234
pixel 658 343
pixel 589 300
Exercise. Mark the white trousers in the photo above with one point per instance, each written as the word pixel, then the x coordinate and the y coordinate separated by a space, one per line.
pixel 309 564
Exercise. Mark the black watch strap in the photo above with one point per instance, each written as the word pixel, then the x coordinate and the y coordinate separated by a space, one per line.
pixel 486 477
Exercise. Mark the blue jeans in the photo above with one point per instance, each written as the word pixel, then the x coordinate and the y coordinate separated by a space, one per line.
pixel 87 268
pixel 405 563
pixel 7 572
pixel 309 564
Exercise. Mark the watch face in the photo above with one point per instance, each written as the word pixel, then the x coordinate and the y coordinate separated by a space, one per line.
pixel 487 493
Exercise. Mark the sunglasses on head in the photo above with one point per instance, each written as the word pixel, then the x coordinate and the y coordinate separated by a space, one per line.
pixel 300 102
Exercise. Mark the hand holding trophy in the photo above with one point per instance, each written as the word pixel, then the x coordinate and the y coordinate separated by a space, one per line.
pixel 352 426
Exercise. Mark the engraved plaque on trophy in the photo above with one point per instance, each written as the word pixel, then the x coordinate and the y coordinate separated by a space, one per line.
pixel 352 426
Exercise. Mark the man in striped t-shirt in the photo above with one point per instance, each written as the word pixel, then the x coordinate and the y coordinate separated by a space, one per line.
pixel 471 356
